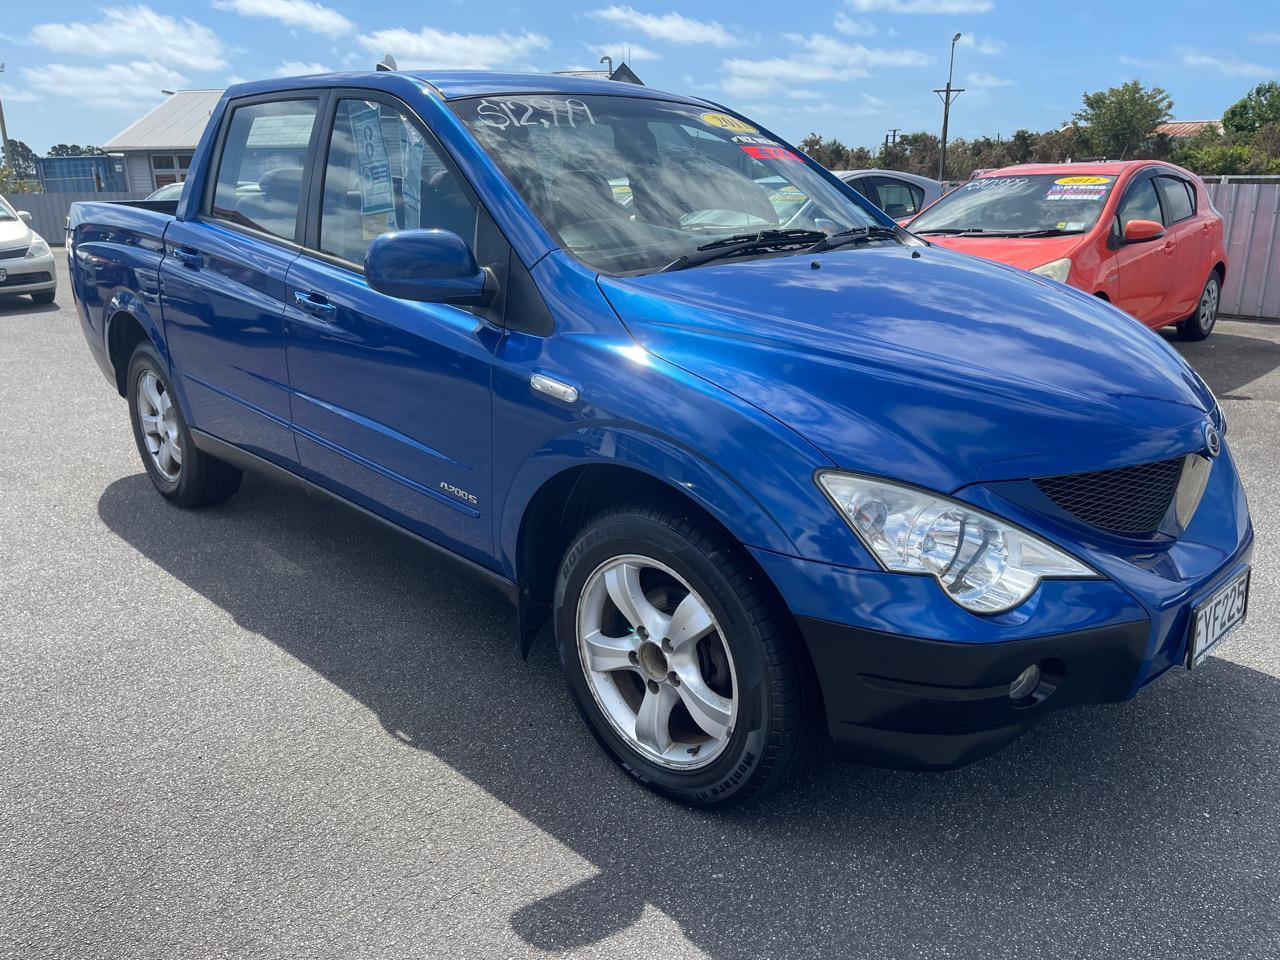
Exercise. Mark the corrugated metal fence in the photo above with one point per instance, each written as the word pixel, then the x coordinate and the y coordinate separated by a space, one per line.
pixel 49 210
pixel 1250 208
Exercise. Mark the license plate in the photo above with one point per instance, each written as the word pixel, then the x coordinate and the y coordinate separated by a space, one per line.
pixel 1214 618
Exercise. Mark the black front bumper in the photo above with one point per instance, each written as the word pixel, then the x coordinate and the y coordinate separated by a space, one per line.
pixel 924 704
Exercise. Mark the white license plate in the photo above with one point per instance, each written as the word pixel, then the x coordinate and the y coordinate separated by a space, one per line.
pixel 1214 618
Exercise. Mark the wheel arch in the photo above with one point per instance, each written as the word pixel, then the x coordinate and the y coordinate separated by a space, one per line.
pixel 127 323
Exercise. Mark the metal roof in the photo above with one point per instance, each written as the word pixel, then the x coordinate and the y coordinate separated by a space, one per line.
pixel 174 125
pixel 1179 129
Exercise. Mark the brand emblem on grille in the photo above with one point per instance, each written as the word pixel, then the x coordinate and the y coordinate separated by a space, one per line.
pixel 1212 441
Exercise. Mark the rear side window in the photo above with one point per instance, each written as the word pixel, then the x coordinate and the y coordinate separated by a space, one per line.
pixel 259 181
pixel 1179 201
pixel 897 197
pixel 383 174
pixel 1140 203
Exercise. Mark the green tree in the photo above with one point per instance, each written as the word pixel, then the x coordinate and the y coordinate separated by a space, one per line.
pixel 1257 108
pixel 1122 120
pixel 74 150
pixel 23 161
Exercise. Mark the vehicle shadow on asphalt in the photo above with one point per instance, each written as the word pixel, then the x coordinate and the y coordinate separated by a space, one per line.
pixel 1147 825
pixel 1228 361
pixel 23 306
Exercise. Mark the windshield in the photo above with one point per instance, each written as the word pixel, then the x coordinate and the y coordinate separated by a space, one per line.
pixel 630 185
pixel 7 212
pixel 1043 202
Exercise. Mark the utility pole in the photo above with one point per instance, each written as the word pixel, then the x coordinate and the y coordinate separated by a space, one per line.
pixel 4 139
pixel 891 137
pixel 948 96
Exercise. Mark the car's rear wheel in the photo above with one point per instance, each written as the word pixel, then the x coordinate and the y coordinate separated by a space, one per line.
pixel 179 471
pixel 45 296
pixel 680 659
pixel 1200 324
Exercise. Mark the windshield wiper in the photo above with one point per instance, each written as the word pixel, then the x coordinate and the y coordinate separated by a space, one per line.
pixel 742 243
pixel 982 232
pixel 854 235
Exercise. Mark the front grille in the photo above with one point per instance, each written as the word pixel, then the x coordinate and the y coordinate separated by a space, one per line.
pixel 1127 500
pixel 11 253
pixel 22 279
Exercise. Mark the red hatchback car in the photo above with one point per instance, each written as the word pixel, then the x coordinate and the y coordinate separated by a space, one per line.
pixel 1141 234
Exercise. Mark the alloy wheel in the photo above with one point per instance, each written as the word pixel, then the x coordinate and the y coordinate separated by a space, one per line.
pixel 159 419
pixel 1209 305
pixel 656 662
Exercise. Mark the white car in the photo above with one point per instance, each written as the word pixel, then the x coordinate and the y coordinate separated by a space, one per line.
pixel 26 265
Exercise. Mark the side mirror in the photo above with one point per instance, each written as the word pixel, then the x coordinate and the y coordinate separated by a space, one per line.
pixel 1140 231
pixel 25 215
pixel 432 266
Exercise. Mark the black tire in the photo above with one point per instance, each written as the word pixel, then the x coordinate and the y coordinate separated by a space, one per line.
pixel 776 694
pixel 45 296
pixel 201 479
pixel 1200 324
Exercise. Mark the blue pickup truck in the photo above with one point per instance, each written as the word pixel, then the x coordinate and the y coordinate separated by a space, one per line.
pixel 771 472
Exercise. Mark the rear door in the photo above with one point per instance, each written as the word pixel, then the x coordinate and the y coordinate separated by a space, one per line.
pixel 391 398
pixel 1145 269
pixel 1191 268
pixel 898 198
pixel 223 275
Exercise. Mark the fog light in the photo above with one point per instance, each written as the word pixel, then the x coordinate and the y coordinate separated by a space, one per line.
pixel 1025 684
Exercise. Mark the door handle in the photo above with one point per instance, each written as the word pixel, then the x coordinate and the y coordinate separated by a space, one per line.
pixel 1168 247
pixel 316 305
pixel 188 257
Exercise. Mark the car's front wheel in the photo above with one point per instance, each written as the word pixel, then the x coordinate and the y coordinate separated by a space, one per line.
pixel 1200 324
pixel 679 657
pixel 179 471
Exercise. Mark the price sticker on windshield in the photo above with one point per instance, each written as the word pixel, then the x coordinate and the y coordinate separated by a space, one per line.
pixel 767 153
pixel 728 122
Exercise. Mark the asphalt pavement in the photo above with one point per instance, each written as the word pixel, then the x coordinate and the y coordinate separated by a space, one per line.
pixel 270 729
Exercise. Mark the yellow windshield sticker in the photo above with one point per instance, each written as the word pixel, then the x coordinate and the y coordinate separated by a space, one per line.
pixel 726 122
pixel 1082 181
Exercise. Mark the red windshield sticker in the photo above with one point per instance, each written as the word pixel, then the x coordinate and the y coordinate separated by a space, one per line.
pixel 768 153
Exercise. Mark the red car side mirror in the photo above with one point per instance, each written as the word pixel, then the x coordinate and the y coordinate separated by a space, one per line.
pixel 1140 231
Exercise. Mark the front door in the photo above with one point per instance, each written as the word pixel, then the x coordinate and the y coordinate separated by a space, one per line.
pixel 391 398
pixel 223 279
pixel 1146 269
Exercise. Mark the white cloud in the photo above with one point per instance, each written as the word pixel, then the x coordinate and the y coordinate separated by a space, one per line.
pixel 295 13
pixel 986 81
pixel 984 45
pixel 921 6
pixel 297 68
pixel 820 57
pixel 630 52
pixel 1227 66
pixel 1270 36
pixel 804 95
pixel 851 27
pixel 119 85
pixel 429 48
pixel 671 27
pixel 125 31
pixel 14 95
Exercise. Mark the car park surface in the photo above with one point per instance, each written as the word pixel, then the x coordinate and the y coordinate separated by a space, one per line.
pixel 268 729
pixel 743 553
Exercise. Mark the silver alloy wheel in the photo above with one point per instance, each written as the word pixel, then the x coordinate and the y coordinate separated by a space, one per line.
pixel 1209 304
pixel 656 662
pixel 159 420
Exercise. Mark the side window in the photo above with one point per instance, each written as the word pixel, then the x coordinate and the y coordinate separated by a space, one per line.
pixel 259 181
pixel 1178 198
pixel 897 197
pixel 1140 203
pixel 382 174
pixel 864 186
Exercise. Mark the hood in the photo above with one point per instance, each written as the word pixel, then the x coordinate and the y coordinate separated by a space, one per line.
pixel 924 365
pixel 1026 253
pixel 15 233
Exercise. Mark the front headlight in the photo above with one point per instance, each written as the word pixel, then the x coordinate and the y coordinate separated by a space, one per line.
pixel 1054 269
pixel 38 247
pixel 983 564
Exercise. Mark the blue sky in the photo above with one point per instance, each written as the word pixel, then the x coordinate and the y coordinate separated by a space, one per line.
pixel 80 72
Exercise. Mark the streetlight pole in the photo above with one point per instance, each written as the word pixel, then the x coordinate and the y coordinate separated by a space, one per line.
pixel 948 95
pixel 4 140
